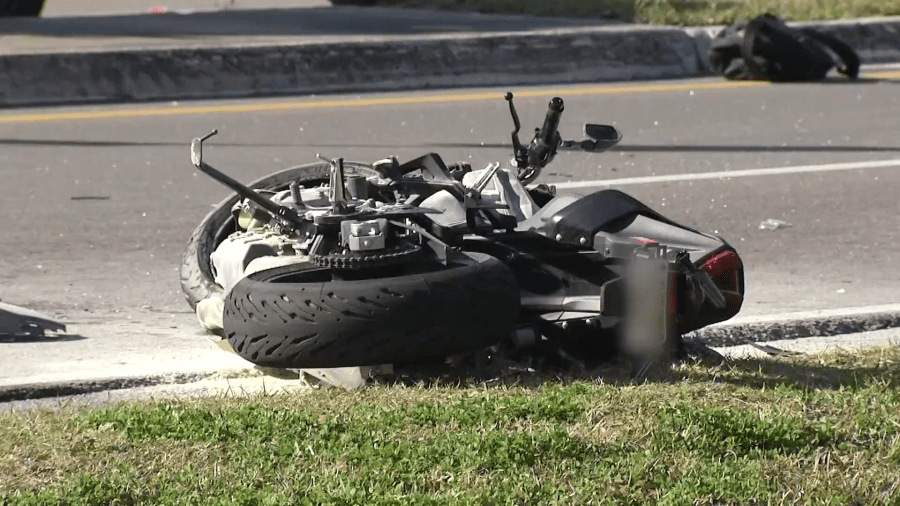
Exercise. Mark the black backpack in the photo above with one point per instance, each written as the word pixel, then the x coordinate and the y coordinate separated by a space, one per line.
pixel 766 49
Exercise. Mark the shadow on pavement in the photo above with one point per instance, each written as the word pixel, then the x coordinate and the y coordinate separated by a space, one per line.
pixel 286 22
pixel 61 338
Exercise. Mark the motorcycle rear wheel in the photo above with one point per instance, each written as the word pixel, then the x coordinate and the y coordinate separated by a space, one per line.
pixel 299 317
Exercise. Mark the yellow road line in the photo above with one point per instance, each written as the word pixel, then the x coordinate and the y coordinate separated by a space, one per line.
pixel 168 110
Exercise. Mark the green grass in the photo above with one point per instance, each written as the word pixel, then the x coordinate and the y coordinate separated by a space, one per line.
pixel 813 430
pixel 671 12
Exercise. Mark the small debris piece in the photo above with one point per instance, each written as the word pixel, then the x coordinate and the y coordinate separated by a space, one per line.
pixel 773 224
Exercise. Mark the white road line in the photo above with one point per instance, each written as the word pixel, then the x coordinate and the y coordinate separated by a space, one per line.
pixel 880 66
pixel 728 174
pixel 807 315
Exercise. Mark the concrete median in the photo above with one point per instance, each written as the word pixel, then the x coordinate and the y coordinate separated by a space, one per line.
pixel 370 64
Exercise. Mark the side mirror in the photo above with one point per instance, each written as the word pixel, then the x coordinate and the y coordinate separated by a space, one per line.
pixel 604 133
pixel 605 137
pixel 602 137
pixel 197 148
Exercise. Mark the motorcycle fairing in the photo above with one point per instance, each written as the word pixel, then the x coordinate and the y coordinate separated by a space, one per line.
pixel 578 222
pixel 614 224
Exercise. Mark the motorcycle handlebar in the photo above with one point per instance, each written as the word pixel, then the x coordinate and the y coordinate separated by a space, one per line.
pixel 551 122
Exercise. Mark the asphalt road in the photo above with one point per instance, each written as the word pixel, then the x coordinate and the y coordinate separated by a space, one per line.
pixel 79 25
pixel 57 8
pixel 110 264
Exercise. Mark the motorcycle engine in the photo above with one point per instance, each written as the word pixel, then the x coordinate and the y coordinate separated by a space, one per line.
pixel 246 252
pixel 256 246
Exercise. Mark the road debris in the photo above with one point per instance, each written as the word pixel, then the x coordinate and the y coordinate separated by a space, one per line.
pixel 773 224
pixel 18 321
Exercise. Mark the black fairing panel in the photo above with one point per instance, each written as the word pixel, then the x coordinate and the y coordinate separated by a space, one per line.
pixel 603 211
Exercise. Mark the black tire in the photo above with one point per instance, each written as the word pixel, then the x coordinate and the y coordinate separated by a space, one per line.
pixel 197 280
pixel 286 317
pixel 21 8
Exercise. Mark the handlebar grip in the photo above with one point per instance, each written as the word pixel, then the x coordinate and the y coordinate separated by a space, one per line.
pixel 551 122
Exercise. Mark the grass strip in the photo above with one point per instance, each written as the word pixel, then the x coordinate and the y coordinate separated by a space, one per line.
pixel 822 429
pixel 665 12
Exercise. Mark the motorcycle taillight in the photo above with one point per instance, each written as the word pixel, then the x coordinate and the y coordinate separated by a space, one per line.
pixel 727 273
pixel 725 270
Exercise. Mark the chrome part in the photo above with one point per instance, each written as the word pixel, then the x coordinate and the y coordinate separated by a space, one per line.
pixel 583 303
pixel 337 192
pixel 295 193
pixel 485 178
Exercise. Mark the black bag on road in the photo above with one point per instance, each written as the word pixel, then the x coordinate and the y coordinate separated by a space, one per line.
pixel 766 49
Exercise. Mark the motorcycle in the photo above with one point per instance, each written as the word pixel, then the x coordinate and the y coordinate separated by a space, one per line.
pixel 341 263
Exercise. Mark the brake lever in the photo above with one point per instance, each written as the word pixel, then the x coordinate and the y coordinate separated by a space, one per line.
pixel 519 150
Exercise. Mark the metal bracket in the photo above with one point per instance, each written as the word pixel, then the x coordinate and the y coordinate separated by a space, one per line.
pixel 441 248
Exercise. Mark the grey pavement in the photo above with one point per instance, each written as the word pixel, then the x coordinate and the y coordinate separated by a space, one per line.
pixel 57 8
pixel 110 267
pixel 846 342
pixel 97 26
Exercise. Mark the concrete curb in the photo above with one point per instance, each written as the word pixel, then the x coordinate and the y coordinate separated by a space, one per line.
pixel 723 335
pixel 369 64
pixel 30 391
pixel 765 331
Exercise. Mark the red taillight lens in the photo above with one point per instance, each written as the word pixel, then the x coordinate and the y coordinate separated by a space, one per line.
pixel 727 272
pixel 724 269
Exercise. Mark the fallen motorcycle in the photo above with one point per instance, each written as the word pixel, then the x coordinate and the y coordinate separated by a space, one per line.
pixel 339 263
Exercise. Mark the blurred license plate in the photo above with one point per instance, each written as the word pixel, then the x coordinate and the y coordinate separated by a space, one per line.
pixel 648 326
